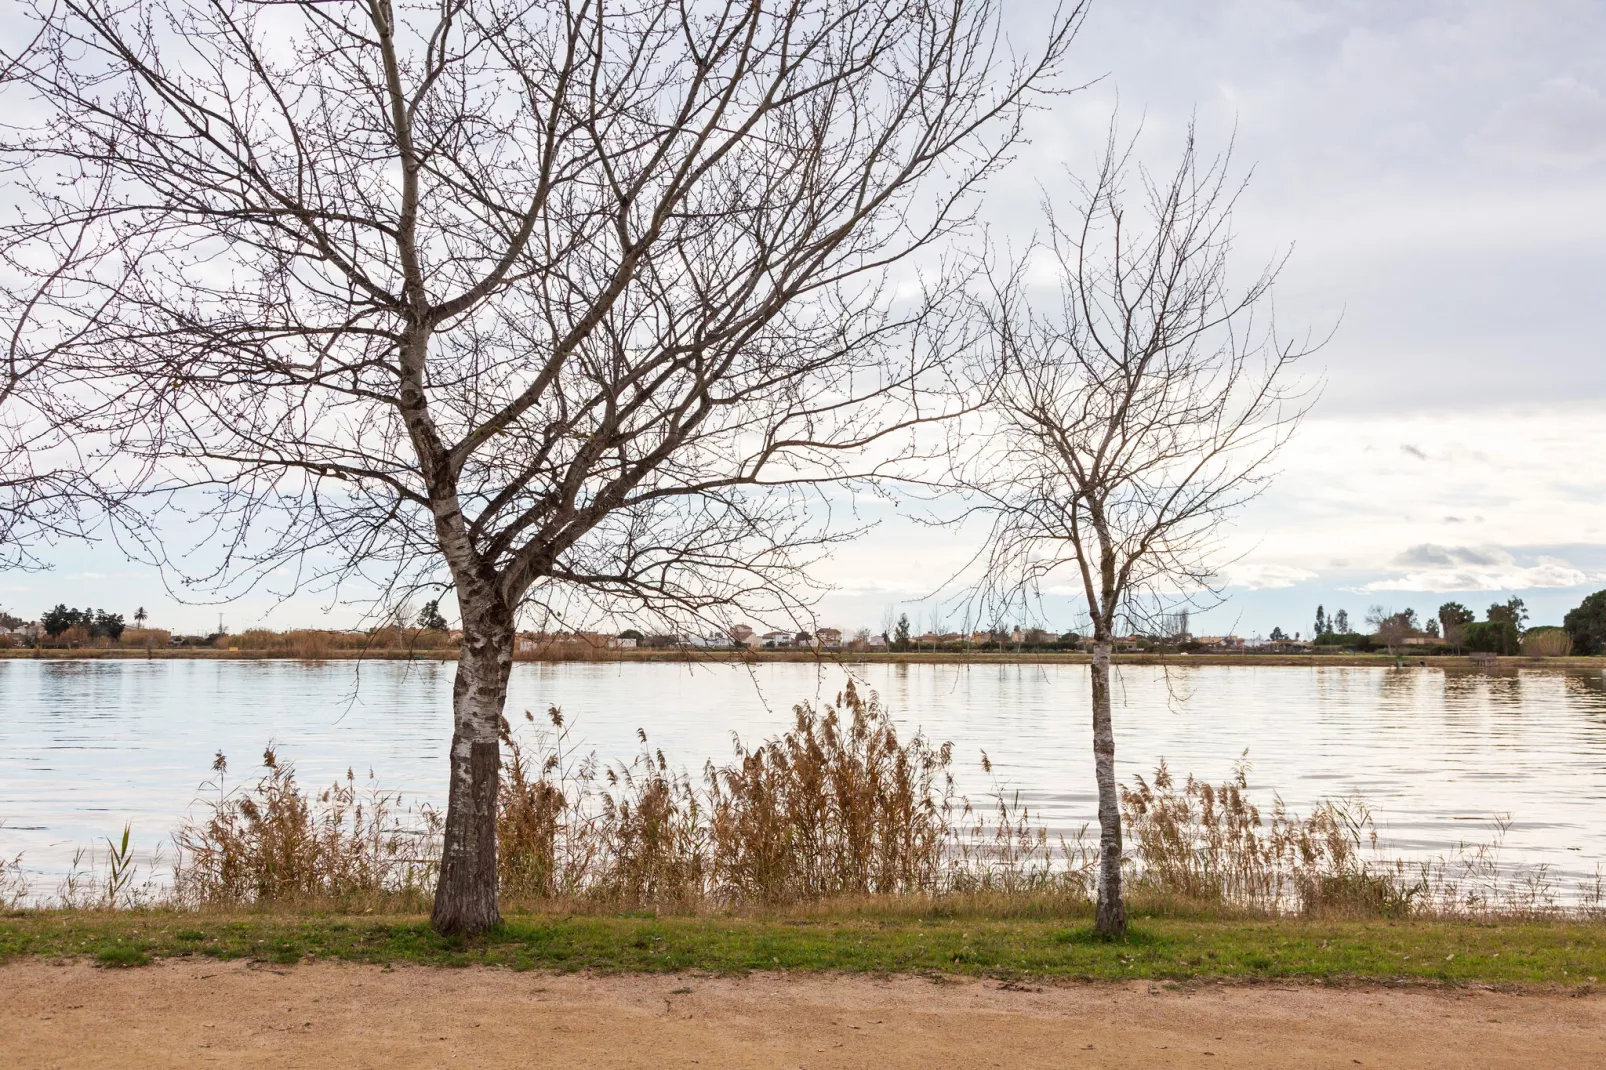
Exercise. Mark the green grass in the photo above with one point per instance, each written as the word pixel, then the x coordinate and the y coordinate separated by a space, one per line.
pixel 1503 953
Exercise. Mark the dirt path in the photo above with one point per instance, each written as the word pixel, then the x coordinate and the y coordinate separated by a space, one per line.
pixel 193 1014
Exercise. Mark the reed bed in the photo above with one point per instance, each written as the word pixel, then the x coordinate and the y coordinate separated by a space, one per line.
pixel 839 814
pixel 1199 844
pixel 314 643
pixel 271 843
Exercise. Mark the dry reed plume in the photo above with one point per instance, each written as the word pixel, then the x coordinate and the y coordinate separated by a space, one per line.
pixel 271 843
pixel 837 810
pixel 1195 845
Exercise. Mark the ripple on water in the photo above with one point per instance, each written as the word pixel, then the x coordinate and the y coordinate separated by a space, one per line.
pixel 1440 756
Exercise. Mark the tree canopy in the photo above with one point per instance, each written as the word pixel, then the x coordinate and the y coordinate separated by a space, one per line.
pixel 1586 625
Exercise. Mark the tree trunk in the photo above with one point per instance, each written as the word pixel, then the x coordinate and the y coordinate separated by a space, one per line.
pixel 465 897
pixel 1110 917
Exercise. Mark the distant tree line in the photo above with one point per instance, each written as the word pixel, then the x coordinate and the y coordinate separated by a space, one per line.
pixel 1504 629
pixel 97 622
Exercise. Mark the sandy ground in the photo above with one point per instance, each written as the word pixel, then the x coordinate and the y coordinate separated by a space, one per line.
pixel 184 1014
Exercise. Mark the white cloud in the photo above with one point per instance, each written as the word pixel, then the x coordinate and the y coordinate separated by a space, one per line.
pixel 1265 577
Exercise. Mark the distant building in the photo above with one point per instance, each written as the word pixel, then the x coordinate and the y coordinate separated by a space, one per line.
pixel 741 635
pixel 829 638
pixel 776 639
pixel 1220 642
pixel 878 642
pixel 621 643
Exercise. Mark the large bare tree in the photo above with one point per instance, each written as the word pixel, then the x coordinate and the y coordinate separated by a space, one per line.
pixel 46 487
pixel 1132 411
pixel 556 297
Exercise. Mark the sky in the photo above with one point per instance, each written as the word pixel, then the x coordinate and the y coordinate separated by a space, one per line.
pixel 1439 170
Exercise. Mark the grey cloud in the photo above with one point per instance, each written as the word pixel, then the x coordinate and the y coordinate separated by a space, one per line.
pixel 1429 555
pixel 1414 451
pixel 1430 567
pixel 1563 123
pixel 1384 137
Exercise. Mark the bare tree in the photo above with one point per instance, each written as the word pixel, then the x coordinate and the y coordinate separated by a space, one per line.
pixel 1130 417
pixel 1391 627
pixel 46 487
pixel 560 305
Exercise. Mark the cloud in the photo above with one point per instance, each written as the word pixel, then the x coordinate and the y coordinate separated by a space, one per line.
pixel 1252 577
pixel 1429 555
pixel 1563 123
pixel 1430 567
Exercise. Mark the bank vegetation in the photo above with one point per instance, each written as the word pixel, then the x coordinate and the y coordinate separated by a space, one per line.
pixel 838 811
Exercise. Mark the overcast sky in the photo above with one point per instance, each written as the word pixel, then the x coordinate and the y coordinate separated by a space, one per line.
pixel 1440 170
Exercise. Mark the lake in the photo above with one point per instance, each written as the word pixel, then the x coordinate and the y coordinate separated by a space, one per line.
pixel 1438 755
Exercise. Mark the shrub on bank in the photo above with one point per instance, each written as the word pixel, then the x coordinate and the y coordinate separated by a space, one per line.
pixel 1491 637
pixel 1355 641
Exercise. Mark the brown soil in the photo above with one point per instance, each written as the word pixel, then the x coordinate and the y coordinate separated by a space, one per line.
pixel 184 1014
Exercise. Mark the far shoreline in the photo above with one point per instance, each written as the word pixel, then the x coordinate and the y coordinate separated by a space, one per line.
pixel 839 658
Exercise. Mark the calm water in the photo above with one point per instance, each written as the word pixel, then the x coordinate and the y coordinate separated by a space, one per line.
pixel 86 746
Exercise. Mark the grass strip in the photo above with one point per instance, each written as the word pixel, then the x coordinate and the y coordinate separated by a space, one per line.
pixel 1501 953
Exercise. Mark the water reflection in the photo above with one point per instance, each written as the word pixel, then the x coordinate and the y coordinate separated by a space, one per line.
pixel 87 745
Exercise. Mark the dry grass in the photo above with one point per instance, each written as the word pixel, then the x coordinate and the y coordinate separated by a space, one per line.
pixel 270 843
pixel 314 643
pixel 837 807
pixel 14 884
pixel 143 638
pixel 1203 847
pixel 838 814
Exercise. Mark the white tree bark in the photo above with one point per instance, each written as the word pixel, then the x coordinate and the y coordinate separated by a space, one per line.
pixel 466 895
pixel 1110 916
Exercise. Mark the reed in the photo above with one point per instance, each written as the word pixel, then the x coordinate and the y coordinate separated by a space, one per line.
pixel 15 887
pixel 1203 848
pixel 1547 642
pixel 838 813
pixel 1197 843
pixel 143 638
pixel 271 843
pixel 317 643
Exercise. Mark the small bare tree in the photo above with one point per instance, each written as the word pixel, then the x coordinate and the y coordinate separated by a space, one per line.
pixel 552 303
pixel 1130 417
pixel 1391 627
